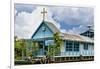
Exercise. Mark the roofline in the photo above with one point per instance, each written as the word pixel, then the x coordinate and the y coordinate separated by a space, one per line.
pixel 85 32
pixel 78 41
pixel 39 27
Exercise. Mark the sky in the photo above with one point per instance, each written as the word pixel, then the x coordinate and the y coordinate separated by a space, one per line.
pixel 74 20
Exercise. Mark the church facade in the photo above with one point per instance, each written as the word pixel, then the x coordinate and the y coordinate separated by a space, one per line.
pixel 73 46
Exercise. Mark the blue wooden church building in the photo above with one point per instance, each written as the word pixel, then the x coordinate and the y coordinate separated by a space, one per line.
pixel 74 47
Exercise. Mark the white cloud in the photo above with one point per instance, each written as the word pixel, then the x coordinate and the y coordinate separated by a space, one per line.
pixel 82 17
pixel 74 15
pixel 77 30
pixel 26 23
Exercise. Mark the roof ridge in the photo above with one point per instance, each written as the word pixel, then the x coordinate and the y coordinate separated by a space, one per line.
pixel 54 28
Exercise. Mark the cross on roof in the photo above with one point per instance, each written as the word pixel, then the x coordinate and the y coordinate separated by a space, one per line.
pixel 43 12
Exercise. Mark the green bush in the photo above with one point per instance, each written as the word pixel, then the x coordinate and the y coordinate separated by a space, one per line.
pixel 23 62
pixel 18 58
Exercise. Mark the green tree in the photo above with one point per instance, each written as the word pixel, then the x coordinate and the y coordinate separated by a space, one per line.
pixel 35 48
pixel 17 49
pixel 23 47
pixel 54 50
pixel 58 43
pixel 20 48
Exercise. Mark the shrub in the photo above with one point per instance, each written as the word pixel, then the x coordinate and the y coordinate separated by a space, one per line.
pixel 23 62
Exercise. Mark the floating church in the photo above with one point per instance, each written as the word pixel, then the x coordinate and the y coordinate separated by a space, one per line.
pixel 74 47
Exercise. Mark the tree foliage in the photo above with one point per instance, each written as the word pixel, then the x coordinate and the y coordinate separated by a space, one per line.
pixel 25 48
pixel 55 49
pixel 20 48
pixel 57 42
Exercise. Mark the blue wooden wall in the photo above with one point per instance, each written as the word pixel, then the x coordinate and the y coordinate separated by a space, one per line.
pixel 40 33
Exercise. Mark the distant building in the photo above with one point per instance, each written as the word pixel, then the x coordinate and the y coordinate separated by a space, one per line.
pixel 89 32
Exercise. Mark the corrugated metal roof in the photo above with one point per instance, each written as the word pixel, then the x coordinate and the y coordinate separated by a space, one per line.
pixel 77 38
pixel 52 27
pixel 87 39
pixel 68 36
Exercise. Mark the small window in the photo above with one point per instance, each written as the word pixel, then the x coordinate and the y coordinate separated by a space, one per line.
pixel 76 46
pixel 69 46
pixel 85 46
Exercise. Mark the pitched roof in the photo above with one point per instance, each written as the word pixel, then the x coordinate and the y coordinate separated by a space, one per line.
pixel 77 38
pixel 90 30
pixel 67 36
pixel 52 27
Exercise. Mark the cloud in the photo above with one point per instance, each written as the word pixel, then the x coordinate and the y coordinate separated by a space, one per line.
pixel 26 23
pixel 77 30
pixel 74 19
pixel 68 19
pixel 24 7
